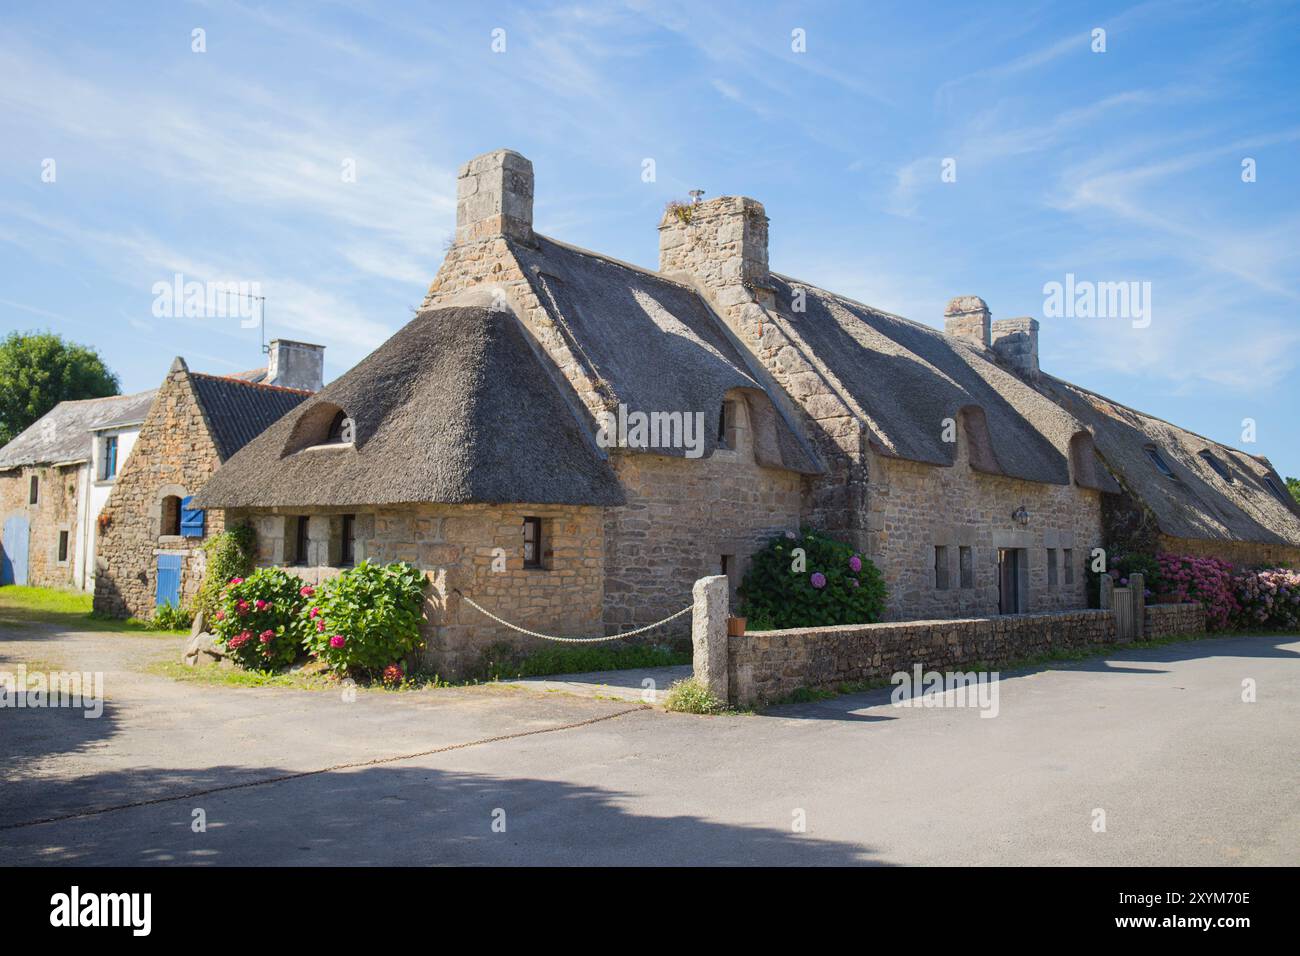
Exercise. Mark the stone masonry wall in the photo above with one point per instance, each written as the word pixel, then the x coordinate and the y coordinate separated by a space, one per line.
pixel 768 665
pixel 682 516
pixel 1169 620
pixel 174 454
pixel 55 511
pixel 476 549
pixel 914 507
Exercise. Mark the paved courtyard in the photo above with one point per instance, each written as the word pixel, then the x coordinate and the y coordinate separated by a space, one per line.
pixel 1160 740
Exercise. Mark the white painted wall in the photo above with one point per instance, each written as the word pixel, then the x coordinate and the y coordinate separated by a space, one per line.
pixel 92 495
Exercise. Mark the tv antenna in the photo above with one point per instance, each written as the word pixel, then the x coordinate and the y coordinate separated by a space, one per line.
pixel 261 314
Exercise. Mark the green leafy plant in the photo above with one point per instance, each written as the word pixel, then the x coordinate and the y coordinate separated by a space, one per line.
pixel 367 618
pixel 1122 566
pixel 829 583
pixel 229 555
pixel 260 618
pixel 689 696
pixel 170 617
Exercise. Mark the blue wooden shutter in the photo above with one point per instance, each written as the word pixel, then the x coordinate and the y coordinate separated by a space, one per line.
pixel 191 519
pixel 169 580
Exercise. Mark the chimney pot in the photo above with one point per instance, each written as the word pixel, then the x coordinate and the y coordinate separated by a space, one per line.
pixel 494 197
pixel 296 365
pixel 967 317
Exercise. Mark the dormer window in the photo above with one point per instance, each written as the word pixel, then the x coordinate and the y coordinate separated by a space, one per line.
pixel 341 430
pixel 1273 487
pixel 727 424
pixel 1218 467
pixel 1161 465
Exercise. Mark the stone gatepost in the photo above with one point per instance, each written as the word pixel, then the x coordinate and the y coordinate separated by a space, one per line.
pixel 1137 587
pixel 1107 602
pixel 709 633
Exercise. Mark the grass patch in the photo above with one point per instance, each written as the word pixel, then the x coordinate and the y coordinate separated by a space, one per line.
pixel 22 606
pixel 304 678
pixel 691 697
pixel 503 663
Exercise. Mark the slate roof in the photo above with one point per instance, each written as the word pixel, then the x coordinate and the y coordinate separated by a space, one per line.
pixel 1197 502
pixel 654 343
pixel 238 411
pixel 63 434
pixel 456 407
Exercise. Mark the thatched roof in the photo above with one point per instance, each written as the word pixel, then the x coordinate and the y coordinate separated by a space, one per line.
pixel 905 378
pixel 655 345
pixel 456 407
pixel 239 410
pixel 1197 502
pixel 63 434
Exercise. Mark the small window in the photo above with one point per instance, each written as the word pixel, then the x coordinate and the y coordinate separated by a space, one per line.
pixel 1161 465
pixel 941 567
pixel 33 490
pixel 108 461
pixel 1272 486
pixel 63 547
pixel 348 550
pixel 1052 573
pixel 966 561
pixel 300 540
pixel 722 425
pixel 1067 559
pixel 171 516
pixel 1219 468
pixel 341 430
pixel 724 565
pixel 532 531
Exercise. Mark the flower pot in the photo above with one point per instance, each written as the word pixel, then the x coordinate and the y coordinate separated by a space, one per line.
pixel 735 627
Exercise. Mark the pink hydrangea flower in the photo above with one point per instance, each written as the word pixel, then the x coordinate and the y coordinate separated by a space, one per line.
pixel 855 564
pixel 306 590
pixel 234 581
pixel 315 612
pixel 267 636
pixel 320 626
pixel 220 615
pixel 818 580
pixel 260 604
pixel 337 641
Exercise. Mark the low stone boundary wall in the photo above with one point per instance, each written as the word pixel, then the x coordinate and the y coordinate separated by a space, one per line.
pixel 1166 620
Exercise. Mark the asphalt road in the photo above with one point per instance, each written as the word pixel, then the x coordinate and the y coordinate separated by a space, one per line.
pixel 1161 741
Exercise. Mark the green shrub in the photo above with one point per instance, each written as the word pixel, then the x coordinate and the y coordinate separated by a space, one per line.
pixel 170 617
pixel 259 618
pixel 229 555
pixel 833 584
pixel 691 697
pixel 505 662
pixel 367 618
pixel 1122 566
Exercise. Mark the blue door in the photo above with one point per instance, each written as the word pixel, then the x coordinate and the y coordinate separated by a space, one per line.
pixel 13 553
pixel 169 580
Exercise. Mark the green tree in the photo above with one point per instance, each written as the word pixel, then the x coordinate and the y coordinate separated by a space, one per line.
pixel 38 370
pixel 1293 486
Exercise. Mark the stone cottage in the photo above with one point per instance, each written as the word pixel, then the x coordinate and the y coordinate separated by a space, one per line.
pixel 151 534
pixel 54 480
pixel 571 441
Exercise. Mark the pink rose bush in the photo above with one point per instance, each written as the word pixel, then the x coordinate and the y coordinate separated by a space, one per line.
pixel 260 620
pixel 1207 580
pixel 1267 598
pixel 367 618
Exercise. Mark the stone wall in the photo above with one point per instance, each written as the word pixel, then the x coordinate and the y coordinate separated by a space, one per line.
pixel 474 549
pixel 1170 620
pixel 768 665
pixel 914 507
pixel 682 516
pixel 174 454
pixel 1245 554
pixel 55 512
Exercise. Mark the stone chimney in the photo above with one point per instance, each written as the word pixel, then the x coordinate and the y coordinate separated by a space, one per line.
pixel 721 242
pixel 296 365
pixel 967 317
pixel 1016 342
pixel 494 197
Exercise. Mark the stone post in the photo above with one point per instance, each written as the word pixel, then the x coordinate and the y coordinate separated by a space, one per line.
pixel 1107 602
pixel 1138 588
pixel 709 634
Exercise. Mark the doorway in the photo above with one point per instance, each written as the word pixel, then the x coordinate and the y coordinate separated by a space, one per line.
pixel 1011 570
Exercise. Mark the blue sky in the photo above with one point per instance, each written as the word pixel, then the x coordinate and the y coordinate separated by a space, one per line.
pixel 1115 166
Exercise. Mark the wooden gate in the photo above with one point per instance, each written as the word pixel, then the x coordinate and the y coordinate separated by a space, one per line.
pixel 1124 630
pixel 169 580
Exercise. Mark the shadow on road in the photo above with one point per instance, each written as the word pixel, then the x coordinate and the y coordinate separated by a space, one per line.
pixel 390 815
